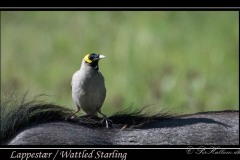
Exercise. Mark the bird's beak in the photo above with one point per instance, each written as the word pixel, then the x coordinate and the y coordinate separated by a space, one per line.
pixel 101 56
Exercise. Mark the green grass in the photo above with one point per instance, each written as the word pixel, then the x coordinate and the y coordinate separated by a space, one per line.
pixel 183 61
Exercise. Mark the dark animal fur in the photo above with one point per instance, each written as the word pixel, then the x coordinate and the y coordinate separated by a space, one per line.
pixel 37 120
pixel 25 114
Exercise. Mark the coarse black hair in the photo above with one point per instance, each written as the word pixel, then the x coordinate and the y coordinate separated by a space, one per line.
pixel 20 113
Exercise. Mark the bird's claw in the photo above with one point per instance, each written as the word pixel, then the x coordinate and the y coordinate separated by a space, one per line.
pixel 107 121
pixel 73 117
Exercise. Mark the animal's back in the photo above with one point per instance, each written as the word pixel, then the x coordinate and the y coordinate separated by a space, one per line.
pixel 213 128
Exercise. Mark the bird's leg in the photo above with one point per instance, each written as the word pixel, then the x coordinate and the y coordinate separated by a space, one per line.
pixel 105 118
pixel 74 114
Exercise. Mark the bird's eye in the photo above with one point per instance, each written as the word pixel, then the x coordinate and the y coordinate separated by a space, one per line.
pixel 92 56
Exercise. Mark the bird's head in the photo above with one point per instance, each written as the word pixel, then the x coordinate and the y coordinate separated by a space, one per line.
pixel 92 59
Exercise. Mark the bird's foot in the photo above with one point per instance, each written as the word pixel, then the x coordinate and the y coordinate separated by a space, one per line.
pixel 71 117
pixel 107 121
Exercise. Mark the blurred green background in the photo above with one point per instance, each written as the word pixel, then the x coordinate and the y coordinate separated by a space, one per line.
pixel 182 61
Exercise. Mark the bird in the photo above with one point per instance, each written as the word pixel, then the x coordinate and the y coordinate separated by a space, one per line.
pixel 88 87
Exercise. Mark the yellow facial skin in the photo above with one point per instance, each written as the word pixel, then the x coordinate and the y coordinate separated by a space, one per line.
pixel 87 59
